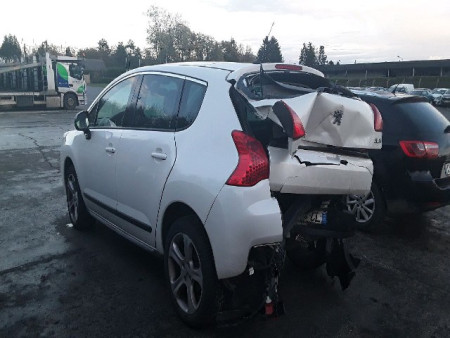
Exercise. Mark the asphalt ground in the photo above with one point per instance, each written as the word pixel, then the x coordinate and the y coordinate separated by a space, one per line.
pixel 58 282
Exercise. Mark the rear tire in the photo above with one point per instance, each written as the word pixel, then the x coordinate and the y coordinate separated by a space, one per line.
pixel 369 210
pixel 306 255
pixel 190 272
pixel 78 213
pixel 70 101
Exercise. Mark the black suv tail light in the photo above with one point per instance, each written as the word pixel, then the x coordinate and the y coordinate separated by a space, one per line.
pixel 420 149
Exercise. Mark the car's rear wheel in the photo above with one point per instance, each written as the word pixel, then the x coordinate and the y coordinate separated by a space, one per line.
pixel 369 210
pixel 190 272
pixel 78 213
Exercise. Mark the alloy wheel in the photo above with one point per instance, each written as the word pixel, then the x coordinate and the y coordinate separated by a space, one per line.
pixel 185 273
pixel 362 207
pixel 72 197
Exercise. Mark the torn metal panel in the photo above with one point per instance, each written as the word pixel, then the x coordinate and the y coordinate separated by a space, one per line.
pixel 329 119
pixel 315 172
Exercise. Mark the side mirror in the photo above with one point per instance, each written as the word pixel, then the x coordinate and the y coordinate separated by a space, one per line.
pixel 82 123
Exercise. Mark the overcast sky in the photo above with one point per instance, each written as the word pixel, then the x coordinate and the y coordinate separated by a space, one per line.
pixel 365 31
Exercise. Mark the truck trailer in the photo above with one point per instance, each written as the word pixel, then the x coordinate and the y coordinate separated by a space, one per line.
pixel 50 81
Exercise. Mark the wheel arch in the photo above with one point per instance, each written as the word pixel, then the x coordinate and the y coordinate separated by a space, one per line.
pixel 173 212
pixel 67 163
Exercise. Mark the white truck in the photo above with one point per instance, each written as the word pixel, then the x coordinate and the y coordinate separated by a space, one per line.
pixel 50 81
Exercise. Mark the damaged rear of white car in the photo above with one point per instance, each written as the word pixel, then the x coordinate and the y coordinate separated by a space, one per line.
pixel 316 136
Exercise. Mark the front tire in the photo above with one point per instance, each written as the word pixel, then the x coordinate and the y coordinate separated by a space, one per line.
pixel 70 101
pixel 78 213
pixel 190 272
pixel 369 210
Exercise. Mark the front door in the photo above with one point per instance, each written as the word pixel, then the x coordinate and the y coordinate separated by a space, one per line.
pixel 98 154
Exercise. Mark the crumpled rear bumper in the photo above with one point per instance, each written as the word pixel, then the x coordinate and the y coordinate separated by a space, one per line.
pixel 319 173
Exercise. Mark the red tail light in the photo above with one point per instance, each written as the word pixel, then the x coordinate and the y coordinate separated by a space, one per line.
pixel 253 164
pixel 289 119
pixel 377 119
pixel 420 149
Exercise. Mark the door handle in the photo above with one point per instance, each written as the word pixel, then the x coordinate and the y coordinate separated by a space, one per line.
pixel 110 150
pixel 159 156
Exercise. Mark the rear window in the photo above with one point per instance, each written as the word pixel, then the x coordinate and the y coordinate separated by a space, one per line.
pixel 280 84
pixel 423 116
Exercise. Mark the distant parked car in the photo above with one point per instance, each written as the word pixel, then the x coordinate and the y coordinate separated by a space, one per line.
pixel 437 95
pixel 376 89
pixel 401 88
pixel 445 100
pixel 426 93
pixel 412 170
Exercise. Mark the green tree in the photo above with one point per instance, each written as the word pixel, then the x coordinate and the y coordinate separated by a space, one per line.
pixel 308 56
pixel 230 50
pixel 169 37
pixel 322 58
pixel 10 49
pixel 46 47
pixel 119 56
pixel 70 51
pixel 171 40
pixel 89 53
pixel 248 55
pixel 104 51
pixel 269 51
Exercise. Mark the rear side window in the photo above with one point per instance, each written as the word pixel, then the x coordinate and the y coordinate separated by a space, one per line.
pixel 157 102
pixel 423 116
pixel 191 101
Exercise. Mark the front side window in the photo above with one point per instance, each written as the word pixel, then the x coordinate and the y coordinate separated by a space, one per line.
pixel 112 106
pixel 158 102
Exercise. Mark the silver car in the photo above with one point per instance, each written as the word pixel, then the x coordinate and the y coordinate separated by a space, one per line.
pixel 201 162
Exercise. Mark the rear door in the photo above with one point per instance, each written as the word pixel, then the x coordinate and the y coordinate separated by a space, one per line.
pixel 147 154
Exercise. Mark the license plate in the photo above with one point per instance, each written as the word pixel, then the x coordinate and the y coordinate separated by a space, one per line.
pixel 446 170
pixel 317 217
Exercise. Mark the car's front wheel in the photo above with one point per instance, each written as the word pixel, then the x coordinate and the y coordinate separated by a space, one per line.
pixel 369 210
pixel 190 272
pixel 78 213
pixel 70 101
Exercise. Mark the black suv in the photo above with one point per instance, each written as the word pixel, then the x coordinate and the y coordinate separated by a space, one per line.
pixel 412 170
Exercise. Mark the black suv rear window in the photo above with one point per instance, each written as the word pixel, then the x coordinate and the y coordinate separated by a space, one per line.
pixel 424 116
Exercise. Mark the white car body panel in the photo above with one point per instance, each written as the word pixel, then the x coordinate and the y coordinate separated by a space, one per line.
pixel 242 217
pixel 145 159
pixel 316 173
pixel 97 174
pixel 199 174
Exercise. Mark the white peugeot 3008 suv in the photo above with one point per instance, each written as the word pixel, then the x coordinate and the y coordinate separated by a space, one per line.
pixel 163 158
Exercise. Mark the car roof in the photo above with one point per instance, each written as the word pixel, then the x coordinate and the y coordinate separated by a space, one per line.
pixel 235 69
